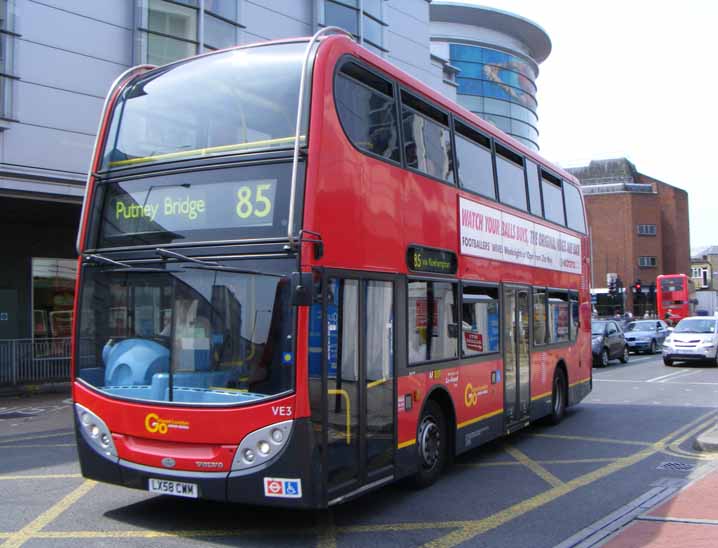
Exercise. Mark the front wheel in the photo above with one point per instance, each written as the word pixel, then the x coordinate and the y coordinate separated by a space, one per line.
pixel 558 397
pixel 431 444
pixel 667 362
pixel 604 357
pixel 624 356
pixel 652 349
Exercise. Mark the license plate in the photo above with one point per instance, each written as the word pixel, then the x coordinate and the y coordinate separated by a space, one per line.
pixel 176 488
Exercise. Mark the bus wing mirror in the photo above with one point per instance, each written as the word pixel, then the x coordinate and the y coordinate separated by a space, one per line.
pixel 302 292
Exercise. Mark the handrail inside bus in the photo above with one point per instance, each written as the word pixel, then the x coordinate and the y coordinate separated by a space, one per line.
pixel 300 107
pixel 205 151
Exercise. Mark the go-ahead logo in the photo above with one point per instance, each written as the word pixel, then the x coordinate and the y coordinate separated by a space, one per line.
pixel 154 424
pixel 472 393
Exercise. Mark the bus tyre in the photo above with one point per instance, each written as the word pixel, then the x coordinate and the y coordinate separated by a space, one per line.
pixel 431 445
pixel 558 397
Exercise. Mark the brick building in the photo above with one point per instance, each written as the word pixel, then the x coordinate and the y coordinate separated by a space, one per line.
pixel 639 229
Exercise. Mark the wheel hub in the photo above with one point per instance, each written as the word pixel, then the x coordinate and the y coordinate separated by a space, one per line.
pixel 429 442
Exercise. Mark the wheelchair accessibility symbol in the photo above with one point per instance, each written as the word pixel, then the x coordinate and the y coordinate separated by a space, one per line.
pixel 283 488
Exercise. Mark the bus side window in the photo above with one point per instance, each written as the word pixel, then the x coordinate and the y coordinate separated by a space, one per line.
pixel 480 320
pixel 365 104
pixel 510 175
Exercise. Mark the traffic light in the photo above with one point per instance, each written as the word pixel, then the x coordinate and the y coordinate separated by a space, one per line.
pixel 637 286
pixel 612 287
pixel 652 289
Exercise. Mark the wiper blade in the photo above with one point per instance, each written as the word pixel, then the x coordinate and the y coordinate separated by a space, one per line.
pixel 97 258
pixel 231 269
pixel 165 253
pixel 123 267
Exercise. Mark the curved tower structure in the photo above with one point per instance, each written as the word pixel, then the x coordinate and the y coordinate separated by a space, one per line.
pixel 497 55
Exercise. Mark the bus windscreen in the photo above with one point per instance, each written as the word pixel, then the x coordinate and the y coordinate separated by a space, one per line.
pixel 225 103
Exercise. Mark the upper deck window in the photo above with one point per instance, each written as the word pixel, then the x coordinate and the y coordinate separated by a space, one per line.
pixel 510 174
pixel 225 103
pixel 552 198
pixel 427 140
pixel 473 155
pixel 574 208
pixel 365 103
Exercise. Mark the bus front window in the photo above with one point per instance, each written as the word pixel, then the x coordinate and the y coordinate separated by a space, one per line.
pixel 186 336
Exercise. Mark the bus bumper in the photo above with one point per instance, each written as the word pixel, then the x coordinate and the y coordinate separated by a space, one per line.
pixel 289 481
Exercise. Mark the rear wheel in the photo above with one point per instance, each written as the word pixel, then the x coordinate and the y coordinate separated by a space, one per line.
pixel 652 349
pixel 624 356
pixel 604 357
pixel 667 361
pixel 431 444
pixel 558 397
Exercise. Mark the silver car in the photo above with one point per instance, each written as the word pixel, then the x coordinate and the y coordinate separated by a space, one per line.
pixel 693 339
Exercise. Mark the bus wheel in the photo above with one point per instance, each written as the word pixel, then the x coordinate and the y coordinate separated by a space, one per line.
pixel 558 398
pixel 431 444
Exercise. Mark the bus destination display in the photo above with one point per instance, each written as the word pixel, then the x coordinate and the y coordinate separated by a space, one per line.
pixel 181 211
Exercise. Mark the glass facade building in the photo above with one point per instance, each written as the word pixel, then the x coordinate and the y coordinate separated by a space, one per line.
pixel 500 88
pixel 497 56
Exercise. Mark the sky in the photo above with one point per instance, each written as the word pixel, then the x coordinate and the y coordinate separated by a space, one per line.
pixel 635 79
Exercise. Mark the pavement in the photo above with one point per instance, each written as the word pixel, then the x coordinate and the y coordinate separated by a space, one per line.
pixel 689 517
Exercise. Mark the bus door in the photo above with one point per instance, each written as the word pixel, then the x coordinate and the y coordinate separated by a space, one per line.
pixel 358 370
pixel 516 354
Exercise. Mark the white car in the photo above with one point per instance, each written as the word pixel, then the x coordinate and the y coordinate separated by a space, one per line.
pixel 693 339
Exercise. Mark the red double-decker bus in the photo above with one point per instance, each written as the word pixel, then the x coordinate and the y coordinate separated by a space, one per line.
pixel 675 297
pixel 304 274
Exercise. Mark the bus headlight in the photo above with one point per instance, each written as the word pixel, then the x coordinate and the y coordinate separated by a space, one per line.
pixel 95 432
pixel 261 446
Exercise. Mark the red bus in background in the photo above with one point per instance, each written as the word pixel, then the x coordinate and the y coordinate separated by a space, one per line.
pixel 675 297
pixel 304 274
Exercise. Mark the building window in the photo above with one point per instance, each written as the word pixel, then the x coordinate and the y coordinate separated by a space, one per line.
pixel 363 18
pixel 7 47
pixel 53 293
pixel 647 262
pixel 647 230
pixel 701 275
pixel 169 30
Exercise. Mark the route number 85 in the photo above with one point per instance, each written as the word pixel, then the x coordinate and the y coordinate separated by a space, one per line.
pixel 258 205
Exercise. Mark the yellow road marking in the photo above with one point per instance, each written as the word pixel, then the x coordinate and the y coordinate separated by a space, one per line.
pixel 462 530
pixel 44 436
pixel 19 538
pixel 586 438
pixel 534 466
pixel 557 461
pixel 40 476
pixel 466 530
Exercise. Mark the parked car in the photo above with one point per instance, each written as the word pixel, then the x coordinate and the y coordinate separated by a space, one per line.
pixel 607 342
pixel 693 339
pixel 645 335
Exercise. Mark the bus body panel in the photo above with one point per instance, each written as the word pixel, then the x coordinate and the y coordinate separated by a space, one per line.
pixel 367 212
